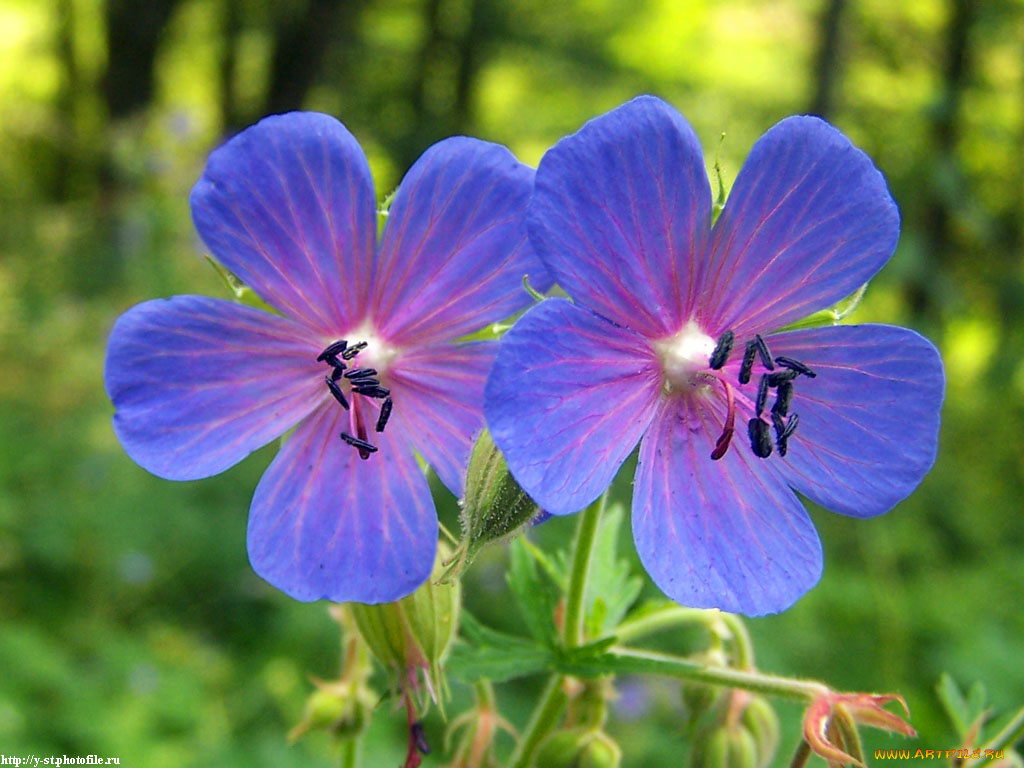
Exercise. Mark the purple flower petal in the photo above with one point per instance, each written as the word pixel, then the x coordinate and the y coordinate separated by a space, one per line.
pixel 723 534
pixel 439 399
pixel 809 221
pixel 200 383
pixel 454 251
pixel 326 524
pixel 620 216
pixel 568 398
pixel 869 421
pixel 288 206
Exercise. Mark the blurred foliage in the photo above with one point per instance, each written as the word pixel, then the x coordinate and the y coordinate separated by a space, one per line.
pixel 130 623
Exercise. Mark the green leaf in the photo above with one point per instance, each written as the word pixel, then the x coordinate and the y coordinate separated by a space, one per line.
pixel 486 653
pixel 535 595
pixel 241 292
pixel 831 316
pixel 953 703
pixel 612 588
pixel 976 702
pixel 556 568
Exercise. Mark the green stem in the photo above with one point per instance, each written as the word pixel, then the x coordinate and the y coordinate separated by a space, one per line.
pixel 552 701
pixel 803 752
pixel 544 718
pixel 662 618
pixel 350 753
pixel 741 642
pixel 586 533
pixel 484 694
pixel 637 662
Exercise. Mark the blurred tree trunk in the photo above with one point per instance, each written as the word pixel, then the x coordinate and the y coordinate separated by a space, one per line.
pixel 470 58
pixel 947 183
pixel 65 171
pixel 299 47
pixel 431 49
pixel 231 28
pixel 133 29
pixel 449 58
pixel 827 63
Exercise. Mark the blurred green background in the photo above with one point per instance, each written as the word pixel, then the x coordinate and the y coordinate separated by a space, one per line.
pixel 130 623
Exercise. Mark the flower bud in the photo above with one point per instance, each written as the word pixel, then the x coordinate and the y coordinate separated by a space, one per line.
pixel 339 708
pixel 413 634
pixel 578 748
pixel 494 508
pixel 726 747
pixel 703 703
pixel 760 719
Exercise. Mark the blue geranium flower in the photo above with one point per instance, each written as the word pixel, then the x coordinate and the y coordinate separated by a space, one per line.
pixel 365 333
pixel 621 217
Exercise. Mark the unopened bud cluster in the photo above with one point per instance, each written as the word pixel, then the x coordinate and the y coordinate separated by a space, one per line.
pixel 412 635
pixel 494 508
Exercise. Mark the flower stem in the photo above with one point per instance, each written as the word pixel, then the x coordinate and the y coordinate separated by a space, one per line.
pixel 552 701
pixel 543 720
pixel 350 753
pixel 741 642
pixel 484 693
pixel 583 549
pixel 662 618
pixel 638 662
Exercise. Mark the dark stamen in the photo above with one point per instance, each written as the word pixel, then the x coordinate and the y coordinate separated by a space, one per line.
pixel 781 377
pixel 372 391
pixel 385 413
pixel 762 395
pixel 420 738
pixel 782 399
pixel 365 381
pixel 760 440
pixel 335 363
pixel 336 373
pixel 358 373
pixel 779 423
pixel 722 350
pixel 354 350
pixel 336 391
pixel 362 445
pixel 762 350
pixel 722 444
pixel 782 436
pixel 795 365
pixel 332 351
pixel 748 362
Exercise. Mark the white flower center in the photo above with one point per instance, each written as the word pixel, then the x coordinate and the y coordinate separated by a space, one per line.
pixel 378 353
pixel 684 359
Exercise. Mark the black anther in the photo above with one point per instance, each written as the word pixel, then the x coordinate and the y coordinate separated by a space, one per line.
pixel 372 390
pixel 762 395
pixel 354 350
pixel 336 391
pixel 359 373
pixel 384 415
pixel 355 442
pixel 748 362
pixel 722 350
pixel 760 440
pixel 762 350
pixel 782 398
pixel 420 738
pixel 781 377
pixel 332 350
pixel 795 365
